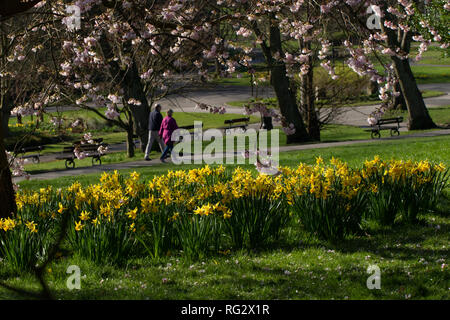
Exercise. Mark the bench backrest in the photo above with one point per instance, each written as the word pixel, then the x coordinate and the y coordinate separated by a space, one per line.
pixel 231 121
pixel 89 147
pixel 98 140
pixel 390 120
pixel 31 149
pixel 68 150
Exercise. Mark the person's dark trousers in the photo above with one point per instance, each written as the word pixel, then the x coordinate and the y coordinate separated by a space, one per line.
pixel 167 150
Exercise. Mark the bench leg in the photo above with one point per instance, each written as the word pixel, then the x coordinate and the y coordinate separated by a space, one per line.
pixel 376 135
pixel 96 161
pixel 395 132
pixel 70 164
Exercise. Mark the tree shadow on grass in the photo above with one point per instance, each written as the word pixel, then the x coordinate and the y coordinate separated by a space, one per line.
pixel 403 242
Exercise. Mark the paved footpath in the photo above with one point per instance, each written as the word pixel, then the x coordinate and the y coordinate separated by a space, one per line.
pixel 143 163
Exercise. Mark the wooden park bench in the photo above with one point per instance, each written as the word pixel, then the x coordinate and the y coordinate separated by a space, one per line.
pixel 236 123
pixel 383 124
pixel 35 156
pixel 96 141
pixel 90 151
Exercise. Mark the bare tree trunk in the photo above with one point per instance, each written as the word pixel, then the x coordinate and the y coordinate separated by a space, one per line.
pixel 308 100
pixel 133 89
pixel 419 118
pixel 130 136
pixel 130 144
pixel 7 195
pixel 312 122
pixel 398 103
pixel 5 121
pixel 216 68
pixel 281 84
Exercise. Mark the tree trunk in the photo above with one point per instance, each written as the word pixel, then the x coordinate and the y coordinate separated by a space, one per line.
pixel 5 122
pixel 398 103
pixel 216 69
pixel 312 122
pixel 133 89
pixel 130 143
pixel 281 84
pixel 419 118
pixel 308 100
pixel 7 195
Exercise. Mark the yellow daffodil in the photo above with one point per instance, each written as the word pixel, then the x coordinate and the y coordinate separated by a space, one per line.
pixel 31 226
pixel 84 216
pixel 78 226
pixel 132 214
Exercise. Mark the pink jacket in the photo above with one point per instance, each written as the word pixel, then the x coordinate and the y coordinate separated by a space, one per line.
pixel 168 126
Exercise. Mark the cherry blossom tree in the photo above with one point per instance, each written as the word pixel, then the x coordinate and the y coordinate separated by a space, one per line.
pixel 25 68
pixel 125 57
pixel 7 194
pixel 274 26
pixel 400 23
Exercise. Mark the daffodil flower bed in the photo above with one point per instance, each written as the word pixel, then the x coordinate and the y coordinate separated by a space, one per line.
pixel 203 211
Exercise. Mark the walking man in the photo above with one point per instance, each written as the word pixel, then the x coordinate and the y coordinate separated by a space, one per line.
pixel 154 124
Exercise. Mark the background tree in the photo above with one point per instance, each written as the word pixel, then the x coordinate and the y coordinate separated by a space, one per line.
pixel 125 61
pixel 401 23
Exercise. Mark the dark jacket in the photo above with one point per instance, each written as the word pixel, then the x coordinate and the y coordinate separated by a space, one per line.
pixel 155 120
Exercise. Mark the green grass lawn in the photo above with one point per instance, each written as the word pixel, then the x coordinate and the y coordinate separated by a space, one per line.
pixel 366 101
pixel 440 115
pixel 413 260
pixel 423 75
pixel 426 74
pixel 434 55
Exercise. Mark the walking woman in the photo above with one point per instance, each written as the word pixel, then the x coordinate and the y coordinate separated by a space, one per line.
pixel 168 126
